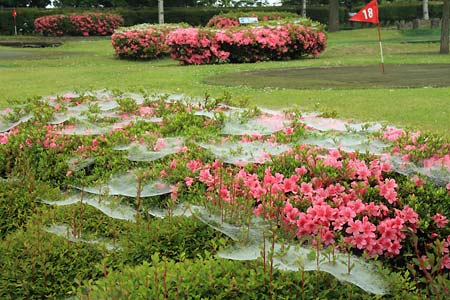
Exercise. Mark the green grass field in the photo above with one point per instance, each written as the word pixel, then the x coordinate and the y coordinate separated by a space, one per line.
pixel 352 77
pixel 90 64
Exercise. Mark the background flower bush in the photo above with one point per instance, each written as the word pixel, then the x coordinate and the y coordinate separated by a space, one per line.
pixel 84 25
pixel 232 19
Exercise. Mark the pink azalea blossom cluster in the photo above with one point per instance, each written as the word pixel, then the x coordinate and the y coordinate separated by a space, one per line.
pixel 317 205
pixel 194 46
pixel 85 25
pixel 222 22
pixel 95 24
pixel 420 149
pixel 139 44
pixel 201 46
pixel 51 25
pixel 143 42
pixel 4 136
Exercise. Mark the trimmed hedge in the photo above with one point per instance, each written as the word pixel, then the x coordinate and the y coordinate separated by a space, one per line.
pixel 85 25
pixel 143 41
pixel 200 16
pixel 206 46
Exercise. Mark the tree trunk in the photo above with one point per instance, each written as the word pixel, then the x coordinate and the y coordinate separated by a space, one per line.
pixel 426 15
pixel 304 8
pixel 161 11
pixel 445 28
pixel 333 17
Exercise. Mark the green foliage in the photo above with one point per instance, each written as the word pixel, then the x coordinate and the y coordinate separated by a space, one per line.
pixel 176 238
pixel 127 105
pixel 38 265
pixel 18 201
pixel 209 278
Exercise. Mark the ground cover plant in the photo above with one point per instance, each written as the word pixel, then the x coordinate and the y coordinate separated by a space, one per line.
pixel 163 192
pixel 83 25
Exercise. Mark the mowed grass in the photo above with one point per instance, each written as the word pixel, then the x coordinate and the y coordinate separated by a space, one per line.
pixel 353 77
pixel 90 64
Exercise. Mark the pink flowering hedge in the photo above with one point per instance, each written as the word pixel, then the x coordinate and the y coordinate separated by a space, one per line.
pixel 252 44
pixel 208 46
pixel 232 19
pixel 142 41
pixel 84 25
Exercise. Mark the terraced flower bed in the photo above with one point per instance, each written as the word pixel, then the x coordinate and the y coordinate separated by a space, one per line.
pixel 132 196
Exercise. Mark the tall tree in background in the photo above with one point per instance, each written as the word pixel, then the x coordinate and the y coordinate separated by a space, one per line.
pixel 426 15
pixel 445 28
pixel 161 11
pixel 304 8
pixel 333 17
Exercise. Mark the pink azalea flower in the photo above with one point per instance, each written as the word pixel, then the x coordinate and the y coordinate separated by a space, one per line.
pixel 173 164
pixel 440 220
pixel 194 165
pixel 306 188
pixel 189 181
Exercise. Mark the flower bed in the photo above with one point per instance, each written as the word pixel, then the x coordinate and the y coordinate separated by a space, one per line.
pixel 93 173
pixel 84 25
pixel 289 41
pixel 207 46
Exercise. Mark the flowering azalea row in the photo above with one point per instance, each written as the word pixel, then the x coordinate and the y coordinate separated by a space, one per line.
pixel 230 20
pixel 142 42
pixel 205 46
pixel 85 25
pixel 200 46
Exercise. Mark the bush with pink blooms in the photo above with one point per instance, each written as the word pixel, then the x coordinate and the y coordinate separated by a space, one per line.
pixel 112 178
pixel 195 46
pixel 232 19
pixel 81 25
pixel 251 44
pixel 143 41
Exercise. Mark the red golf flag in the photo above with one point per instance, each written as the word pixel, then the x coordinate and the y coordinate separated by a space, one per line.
pixel 368 13
pixel 14 12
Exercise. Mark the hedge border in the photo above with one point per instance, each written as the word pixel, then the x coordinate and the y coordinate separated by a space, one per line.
pixel 195 16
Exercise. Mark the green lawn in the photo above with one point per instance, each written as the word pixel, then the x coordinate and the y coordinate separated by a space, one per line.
pixel 342 77
pixel 90 64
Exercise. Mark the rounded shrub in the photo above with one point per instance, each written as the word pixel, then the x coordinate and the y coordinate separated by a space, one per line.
pixel 143 41
pixel 250 44
pixel 84 25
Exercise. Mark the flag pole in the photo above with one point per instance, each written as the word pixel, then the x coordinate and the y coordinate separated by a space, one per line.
pixel 14 14
pixel 381 49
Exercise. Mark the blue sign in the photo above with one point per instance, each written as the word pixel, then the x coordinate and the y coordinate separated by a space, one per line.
pixel 248 20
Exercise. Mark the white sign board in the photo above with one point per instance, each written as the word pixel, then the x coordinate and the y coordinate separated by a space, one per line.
pixel 248 20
